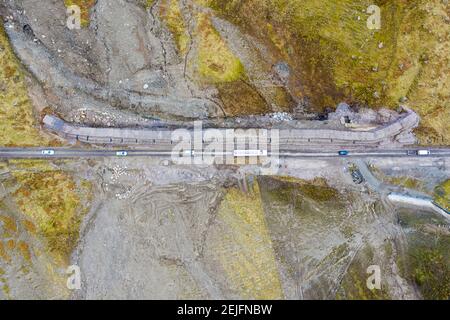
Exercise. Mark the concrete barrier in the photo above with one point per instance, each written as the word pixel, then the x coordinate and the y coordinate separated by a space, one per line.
pixel 424 203
pixel 390 134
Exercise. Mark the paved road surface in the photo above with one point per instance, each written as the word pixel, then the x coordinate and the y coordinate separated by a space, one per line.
pixel 92 153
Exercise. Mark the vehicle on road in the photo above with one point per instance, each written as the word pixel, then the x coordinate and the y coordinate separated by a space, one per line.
pixel 423 153
pixel 250 153
pixel 189 153
pixel 121 153
pixel 344 153
pixel 48 152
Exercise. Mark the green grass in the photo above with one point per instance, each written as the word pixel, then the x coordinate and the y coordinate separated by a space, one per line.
pixel 216 63
pixel 431 273
pixel 317 190
pixel 245 250
pixel 426 260
pixel 171 13
pixel 321 40
pixel 442 195
pixel 54 205
pixel 18 125
pixel 333 54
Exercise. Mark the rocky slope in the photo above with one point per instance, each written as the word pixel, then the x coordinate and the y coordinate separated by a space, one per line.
pixel 151 231
pixel 175 232
pixel 184 59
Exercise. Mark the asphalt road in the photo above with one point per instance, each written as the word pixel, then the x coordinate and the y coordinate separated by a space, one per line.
pixel 37 153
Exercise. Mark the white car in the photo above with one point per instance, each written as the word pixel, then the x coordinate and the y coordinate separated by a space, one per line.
pixel 48 152
pixel 188 153
pixel 250 153
pixel 423 153
pixel 121 153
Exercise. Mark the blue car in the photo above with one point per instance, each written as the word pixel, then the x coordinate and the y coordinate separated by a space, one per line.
pixel 343 153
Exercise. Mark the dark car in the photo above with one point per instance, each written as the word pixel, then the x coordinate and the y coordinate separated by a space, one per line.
pixel 357 177
pixel 343 153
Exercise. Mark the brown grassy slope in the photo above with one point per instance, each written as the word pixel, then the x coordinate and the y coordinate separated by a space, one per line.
pixel 18 125
pixel 336 57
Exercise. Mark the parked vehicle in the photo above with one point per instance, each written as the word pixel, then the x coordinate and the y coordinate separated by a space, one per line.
pixel 343 153
pixel 357 176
